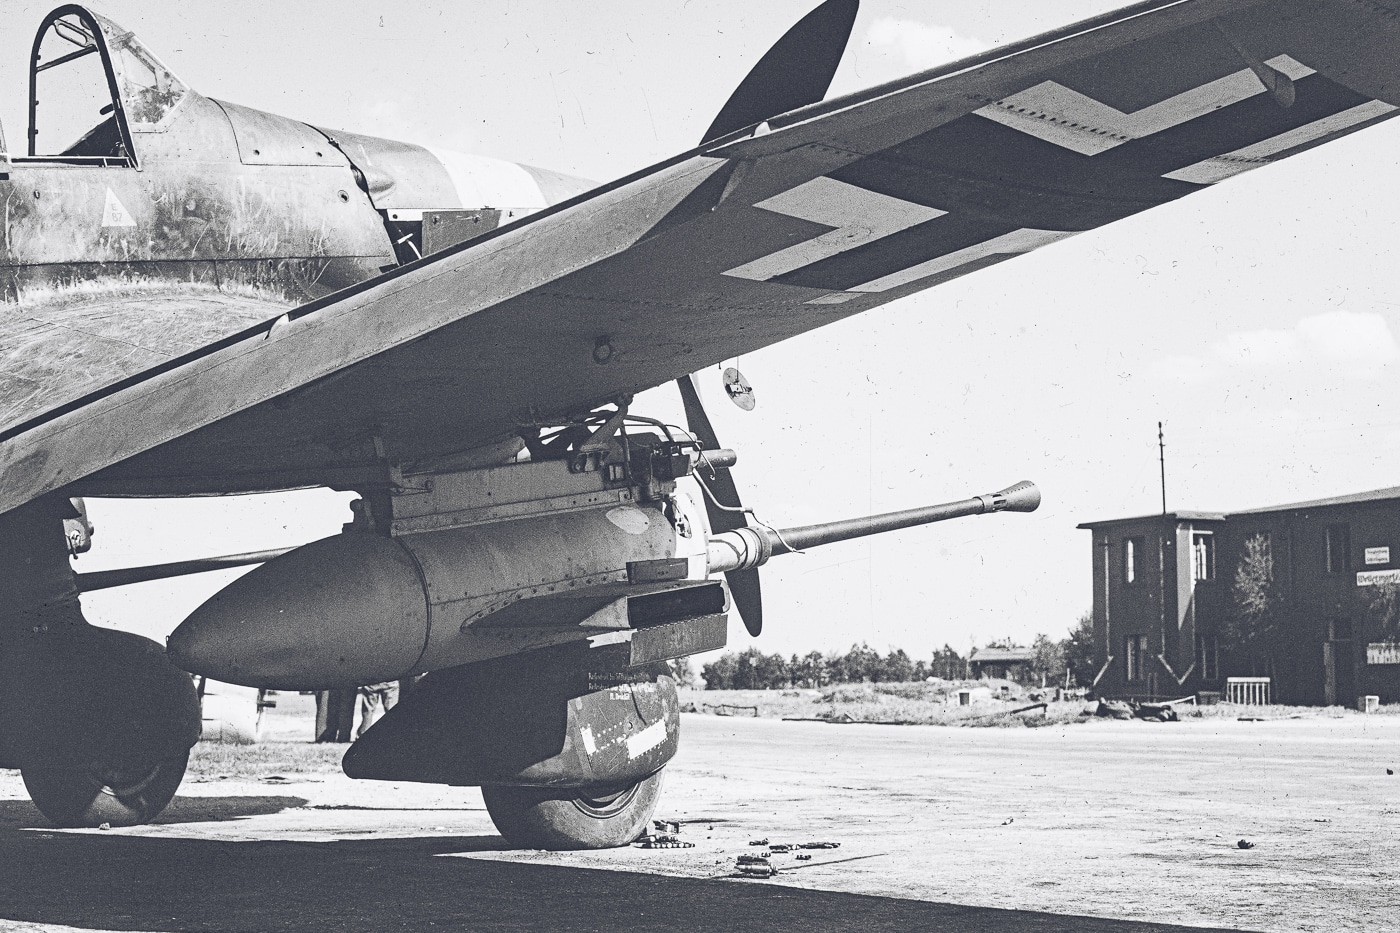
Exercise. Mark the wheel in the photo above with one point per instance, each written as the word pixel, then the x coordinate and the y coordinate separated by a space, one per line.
pixel 88 797
pixel 539 818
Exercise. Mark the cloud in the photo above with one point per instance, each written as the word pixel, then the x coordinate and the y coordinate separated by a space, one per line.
pixel 1347 337
pixel 921 45
pixel 1256 348
pixel 893 48
pixel 1357 343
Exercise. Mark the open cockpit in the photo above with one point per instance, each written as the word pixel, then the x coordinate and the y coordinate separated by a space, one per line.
pixel 91 85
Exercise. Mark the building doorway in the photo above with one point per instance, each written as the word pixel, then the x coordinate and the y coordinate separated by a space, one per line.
pixel 1338 664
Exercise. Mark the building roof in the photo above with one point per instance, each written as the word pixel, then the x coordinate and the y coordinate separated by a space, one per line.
pixel 1374 495
pixel 1001 655
pixel 1183 515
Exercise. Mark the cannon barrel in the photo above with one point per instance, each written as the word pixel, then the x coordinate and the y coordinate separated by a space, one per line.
pixel 745 548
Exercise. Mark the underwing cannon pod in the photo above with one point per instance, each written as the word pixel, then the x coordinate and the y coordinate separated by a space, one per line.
pixel 745 548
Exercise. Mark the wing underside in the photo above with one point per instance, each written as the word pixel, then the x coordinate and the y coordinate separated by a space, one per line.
pixel 824 213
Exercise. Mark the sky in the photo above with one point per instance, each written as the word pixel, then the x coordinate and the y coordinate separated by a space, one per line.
pixel 1256 319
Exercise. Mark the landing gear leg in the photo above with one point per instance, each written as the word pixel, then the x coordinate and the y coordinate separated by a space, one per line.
pixel 99 722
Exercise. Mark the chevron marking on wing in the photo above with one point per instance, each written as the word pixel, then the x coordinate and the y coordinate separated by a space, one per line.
pixel 1210 171
pixel 858 214
pixel 1067 118
pixel 1017 241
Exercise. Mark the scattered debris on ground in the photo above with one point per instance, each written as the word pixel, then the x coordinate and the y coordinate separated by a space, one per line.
pixel 835 861
pixel 664 842
pixel 1127 709
pixel 992 703
pixel 755 866
pixel 667 836
pixel 996 702
pixel 1156 712
pixel 760 864
pixel 730 709
pixel 1245 844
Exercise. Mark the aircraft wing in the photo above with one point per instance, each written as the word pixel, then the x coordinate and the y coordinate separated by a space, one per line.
pixel 822 213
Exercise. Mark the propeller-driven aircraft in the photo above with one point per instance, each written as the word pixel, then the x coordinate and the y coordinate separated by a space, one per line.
pixel 202 299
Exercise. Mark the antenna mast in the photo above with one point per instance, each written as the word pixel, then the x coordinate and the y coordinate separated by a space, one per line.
pixel 1162 460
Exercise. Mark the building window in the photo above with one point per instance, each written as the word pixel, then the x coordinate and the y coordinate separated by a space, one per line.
pixel 1135 651
pixel 1132 560
pixel 1207 656
pixel 1337 548
pixel 1203 556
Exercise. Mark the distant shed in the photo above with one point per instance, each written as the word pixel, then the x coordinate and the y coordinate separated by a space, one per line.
pixel 1008 663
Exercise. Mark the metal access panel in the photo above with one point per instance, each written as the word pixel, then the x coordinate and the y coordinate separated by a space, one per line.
pixel 442 229
pixel 267 139
pixel 679 639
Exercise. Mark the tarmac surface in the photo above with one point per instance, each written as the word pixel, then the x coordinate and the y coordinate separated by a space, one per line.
pixel 1088 827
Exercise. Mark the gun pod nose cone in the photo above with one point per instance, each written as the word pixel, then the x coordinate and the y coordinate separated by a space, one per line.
pixel 346 610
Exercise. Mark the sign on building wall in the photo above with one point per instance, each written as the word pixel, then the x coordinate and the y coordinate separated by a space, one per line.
pixel 1373 577
pixel 1383 652
pixel 1378 555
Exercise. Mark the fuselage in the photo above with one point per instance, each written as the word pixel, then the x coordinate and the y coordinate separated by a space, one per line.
pixel 169 184
pixel 145 220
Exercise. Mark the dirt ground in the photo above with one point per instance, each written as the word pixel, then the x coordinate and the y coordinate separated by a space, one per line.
pixel 1105 825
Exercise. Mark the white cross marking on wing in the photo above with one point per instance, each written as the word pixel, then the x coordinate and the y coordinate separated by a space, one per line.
pixel 1017 241
pixel 858 214
pixel 1067 118
pixel 1210 171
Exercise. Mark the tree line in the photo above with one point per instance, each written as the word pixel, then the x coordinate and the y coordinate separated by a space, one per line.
pixel 1257 630
pixel 752 669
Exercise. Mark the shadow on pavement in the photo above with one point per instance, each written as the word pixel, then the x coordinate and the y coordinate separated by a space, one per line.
pixel 21 814
pixel 111 881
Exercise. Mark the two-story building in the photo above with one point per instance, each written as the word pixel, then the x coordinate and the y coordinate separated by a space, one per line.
pixel 1167 619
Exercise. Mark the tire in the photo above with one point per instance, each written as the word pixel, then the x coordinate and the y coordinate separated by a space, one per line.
pixel 539 818
pixel 89 797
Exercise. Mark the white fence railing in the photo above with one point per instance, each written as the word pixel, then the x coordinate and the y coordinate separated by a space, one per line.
pixel 1248 691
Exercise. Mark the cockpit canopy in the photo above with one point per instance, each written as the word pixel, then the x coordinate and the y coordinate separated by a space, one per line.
pixel 91 85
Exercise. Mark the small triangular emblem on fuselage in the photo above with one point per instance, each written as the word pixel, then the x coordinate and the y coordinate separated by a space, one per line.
pixel 115 214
